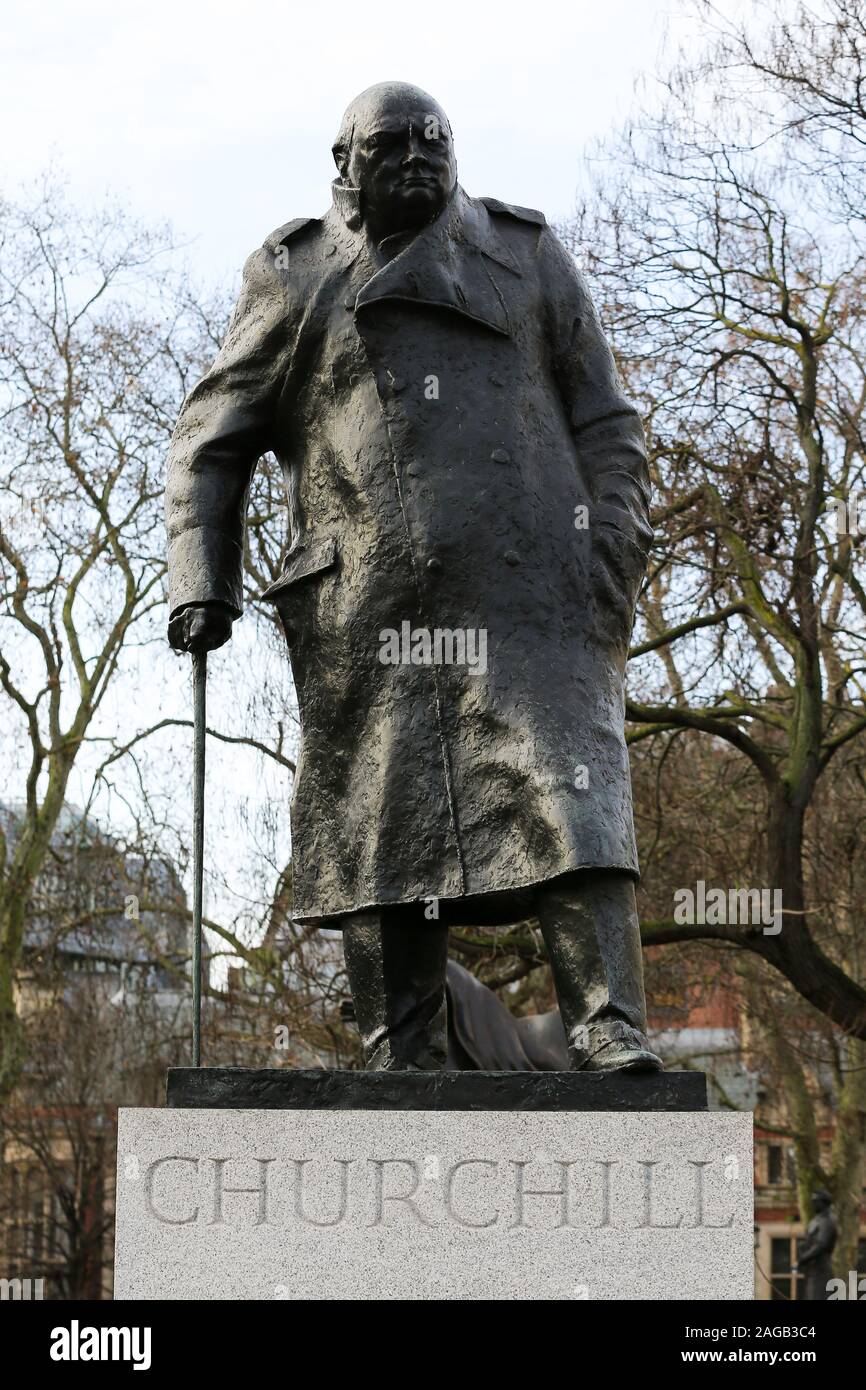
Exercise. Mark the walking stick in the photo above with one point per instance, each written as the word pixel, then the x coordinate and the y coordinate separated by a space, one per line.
pixel 199 688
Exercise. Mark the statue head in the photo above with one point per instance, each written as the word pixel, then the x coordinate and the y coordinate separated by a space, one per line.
pixel 395 148
pixel 821 1199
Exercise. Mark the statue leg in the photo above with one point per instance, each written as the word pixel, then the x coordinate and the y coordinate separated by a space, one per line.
pixel 590 926
pixel 396 966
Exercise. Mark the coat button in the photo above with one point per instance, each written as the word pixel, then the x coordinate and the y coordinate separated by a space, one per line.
pixel 350 305
pixel 329 249
pixel 434 565
pixel 501 456
pixel 497 380
pixel 512 557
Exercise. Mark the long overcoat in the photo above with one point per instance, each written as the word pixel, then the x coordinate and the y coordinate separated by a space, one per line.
pixel 459 459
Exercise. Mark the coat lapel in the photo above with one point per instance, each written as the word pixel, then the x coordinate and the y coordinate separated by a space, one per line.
pixel 452 264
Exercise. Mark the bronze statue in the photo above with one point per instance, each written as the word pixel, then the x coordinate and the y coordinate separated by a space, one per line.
pixel 814 1260
pixel 468 527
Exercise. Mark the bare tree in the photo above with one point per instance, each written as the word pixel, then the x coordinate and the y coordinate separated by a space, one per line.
pixel 89 1049
pixel 740 326
pixel 97 347
pixel 699 813
pixel 798 71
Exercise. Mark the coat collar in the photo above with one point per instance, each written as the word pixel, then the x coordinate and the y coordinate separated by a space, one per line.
pixel 451 263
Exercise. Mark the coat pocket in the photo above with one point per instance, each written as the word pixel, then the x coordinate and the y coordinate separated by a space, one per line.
pixel 619 567
pixel 302 563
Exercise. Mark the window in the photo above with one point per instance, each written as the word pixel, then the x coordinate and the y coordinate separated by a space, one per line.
pixel 783 1256
pixel 26 1225
pixel 775 1165
pixel 34 1236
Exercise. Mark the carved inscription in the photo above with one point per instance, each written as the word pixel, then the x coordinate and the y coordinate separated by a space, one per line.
pixel 531 1192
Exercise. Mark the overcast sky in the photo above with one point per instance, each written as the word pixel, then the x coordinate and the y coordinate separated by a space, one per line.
pixel 219 117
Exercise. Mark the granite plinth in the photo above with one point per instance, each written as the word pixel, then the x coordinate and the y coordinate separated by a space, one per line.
pixel 397 1203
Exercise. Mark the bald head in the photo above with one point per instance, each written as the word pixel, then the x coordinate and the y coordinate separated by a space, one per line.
pixel 395 146
pixel 384 100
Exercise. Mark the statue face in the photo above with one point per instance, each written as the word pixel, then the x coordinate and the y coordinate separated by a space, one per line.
pixel 402 160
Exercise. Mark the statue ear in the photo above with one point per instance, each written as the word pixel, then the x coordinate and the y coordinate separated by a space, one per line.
pixel 342 146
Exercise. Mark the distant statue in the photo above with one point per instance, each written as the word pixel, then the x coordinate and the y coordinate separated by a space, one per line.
pixel 815 1257
pixel 467 497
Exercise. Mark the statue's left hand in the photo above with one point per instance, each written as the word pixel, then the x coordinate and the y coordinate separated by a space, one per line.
pixel 201 627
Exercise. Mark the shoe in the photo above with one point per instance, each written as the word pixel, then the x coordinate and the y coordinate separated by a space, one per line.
pixel 614 1045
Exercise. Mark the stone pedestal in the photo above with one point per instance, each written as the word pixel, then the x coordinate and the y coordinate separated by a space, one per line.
pixel 486 1193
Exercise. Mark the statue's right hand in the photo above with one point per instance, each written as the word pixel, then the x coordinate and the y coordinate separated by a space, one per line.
pixel 201 627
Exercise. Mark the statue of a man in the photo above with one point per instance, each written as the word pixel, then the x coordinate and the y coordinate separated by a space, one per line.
pixel 815 1257
pixel 468 526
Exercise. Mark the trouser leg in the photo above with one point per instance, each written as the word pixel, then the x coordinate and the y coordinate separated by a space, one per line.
pixel 396 971
pixel 590 926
